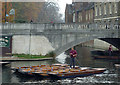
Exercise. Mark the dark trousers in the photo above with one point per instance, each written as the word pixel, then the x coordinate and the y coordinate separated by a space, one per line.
pixel 72 62
pixel 110 53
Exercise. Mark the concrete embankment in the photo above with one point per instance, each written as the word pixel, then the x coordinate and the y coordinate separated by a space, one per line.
pixel 12 59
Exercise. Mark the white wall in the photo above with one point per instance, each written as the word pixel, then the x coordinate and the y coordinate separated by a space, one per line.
pixel 102 44
pixel 38 45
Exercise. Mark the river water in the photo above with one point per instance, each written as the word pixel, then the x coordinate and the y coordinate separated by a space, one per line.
pixel 84 59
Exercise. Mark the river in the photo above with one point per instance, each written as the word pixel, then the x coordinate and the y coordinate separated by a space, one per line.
pixel 84 59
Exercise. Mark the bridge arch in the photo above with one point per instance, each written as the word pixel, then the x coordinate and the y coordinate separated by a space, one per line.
pixel 76 42
pixel 73 43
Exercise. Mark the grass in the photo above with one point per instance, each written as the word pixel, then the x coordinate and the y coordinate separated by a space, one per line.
pixel 27 56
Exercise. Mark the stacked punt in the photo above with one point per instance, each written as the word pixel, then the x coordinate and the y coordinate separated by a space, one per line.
pixel 58 71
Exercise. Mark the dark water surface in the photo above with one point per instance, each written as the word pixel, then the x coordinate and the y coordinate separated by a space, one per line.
pixel 84 59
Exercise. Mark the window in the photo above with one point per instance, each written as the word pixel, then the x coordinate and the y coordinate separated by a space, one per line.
pixel 110 8
pixel 96 9
pixel 86 16
pixel 73 17
pixel 115 7
pixel 80 17
pixel 100 10
pixel 104 8
pixel 89 15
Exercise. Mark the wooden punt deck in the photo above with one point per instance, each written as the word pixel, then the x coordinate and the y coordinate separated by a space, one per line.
pixel 58 71
pixel 76 73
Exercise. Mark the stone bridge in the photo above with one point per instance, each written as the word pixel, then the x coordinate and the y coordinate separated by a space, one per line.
pixel 64 36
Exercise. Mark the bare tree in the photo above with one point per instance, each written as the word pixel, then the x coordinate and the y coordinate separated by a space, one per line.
pixel 50 13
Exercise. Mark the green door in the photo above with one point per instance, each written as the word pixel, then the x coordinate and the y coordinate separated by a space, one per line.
pixel 5 45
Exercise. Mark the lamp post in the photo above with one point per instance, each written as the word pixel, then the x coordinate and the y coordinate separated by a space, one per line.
pixel 30 41
pixel 30 38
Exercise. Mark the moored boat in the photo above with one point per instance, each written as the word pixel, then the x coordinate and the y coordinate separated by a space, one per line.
pixel 72 73
pixel 106 57
pixel 117 66
pixel 58 71
pixel 42 71
pixel 105 53
pixel 16 69
pixel 115 55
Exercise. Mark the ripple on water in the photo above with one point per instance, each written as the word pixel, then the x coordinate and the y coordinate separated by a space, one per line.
pixel 99 78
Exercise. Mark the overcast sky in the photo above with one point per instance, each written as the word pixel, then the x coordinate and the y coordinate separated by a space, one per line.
pixel 62 4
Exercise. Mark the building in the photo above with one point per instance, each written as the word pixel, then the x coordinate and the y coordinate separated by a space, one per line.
pixel 107 13
pixel 6 7
pixel 86 14
pixel 77 8
pixel 80 12
pixel 68 13
pixel 0 12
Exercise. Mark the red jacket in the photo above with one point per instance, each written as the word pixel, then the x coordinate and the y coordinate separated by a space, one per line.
pixel 73 53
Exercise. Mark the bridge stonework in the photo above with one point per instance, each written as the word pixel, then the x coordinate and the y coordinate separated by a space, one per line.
pixel 64 36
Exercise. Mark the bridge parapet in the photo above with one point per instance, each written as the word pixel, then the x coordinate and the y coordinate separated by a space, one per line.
pixel 88 29
pixel 58 26
pixel 81 26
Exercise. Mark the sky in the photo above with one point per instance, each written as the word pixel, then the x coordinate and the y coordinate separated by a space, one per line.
pixel 62 4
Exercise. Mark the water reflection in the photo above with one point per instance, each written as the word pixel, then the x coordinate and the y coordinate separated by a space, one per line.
pixel 31 63
pixel 112 75
pixel 62 57
pixel 6 74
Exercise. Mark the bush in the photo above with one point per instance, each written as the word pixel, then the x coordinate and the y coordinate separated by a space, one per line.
pixel 27 56
pixel 20 21
pixel 50 54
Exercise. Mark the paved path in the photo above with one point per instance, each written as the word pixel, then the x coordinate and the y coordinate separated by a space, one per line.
pixel 22 59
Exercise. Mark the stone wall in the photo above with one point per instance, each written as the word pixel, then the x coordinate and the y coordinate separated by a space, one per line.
pixel 36 45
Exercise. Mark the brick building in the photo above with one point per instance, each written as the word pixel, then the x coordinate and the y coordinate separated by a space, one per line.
pixel 78 7
pixel 68 13
pixel 107 12
pixel 80 12
pixel 6 7
pixel 86 14
pixel 0 12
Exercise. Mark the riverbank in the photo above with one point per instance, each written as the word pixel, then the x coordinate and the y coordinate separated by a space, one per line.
pixel 27 57
pixel 13 58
